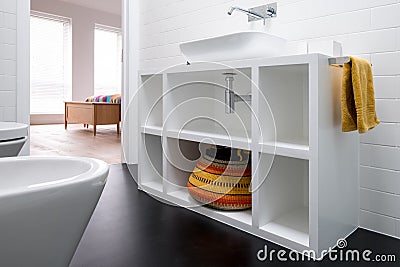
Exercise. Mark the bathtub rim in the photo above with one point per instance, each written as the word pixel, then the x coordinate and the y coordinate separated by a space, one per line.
pixel 98 172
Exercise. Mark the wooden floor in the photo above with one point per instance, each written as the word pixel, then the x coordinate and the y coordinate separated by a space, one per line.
pixel 50 140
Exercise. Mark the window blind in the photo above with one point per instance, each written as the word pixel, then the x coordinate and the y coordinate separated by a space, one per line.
pixel 50 63
pixel 107 60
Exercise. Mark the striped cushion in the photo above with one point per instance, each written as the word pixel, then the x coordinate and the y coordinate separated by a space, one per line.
pixel 105 98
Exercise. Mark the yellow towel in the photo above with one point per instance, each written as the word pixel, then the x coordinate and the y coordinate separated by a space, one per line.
pixel 358 99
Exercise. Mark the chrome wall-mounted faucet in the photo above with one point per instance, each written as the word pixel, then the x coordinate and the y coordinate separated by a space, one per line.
pixel 230 96
pixel 257 13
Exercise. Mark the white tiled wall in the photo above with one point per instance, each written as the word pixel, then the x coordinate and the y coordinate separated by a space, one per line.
pixel 8 59
pixel 366 28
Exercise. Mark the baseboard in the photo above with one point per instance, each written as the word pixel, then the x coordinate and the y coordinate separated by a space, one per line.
pixel 43 119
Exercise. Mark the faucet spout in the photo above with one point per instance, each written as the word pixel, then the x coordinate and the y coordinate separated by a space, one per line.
pixel 248 12
pixel 263 12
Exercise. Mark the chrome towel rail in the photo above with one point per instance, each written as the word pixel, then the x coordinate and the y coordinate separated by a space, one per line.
pixel 338 61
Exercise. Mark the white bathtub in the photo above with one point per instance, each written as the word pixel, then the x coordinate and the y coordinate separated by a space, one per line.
pixel 45 206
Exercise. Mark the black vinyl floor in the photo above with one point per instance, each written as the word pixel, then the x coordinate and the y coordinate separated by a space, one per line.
pixel 130 228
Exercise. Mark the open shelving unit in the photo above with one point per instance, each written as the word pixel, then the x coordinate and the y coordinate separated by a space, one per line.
pixel 301 161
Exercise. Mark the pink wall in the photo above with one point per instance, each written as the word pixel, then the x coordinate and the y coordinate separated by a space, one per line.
pixel 83 22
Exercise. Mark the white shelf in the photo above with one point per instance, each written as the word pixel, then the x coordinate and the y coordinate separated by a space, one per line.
pixel 182 194
pixel 293 150
pixel 211 138
pixel 292 226
pixel 244 216
pixel 241 216
pixel 153 130
pixel 154 185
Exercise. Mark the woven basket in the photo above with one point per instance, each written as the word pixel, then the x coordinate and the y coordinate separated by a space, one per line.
pixel 221 179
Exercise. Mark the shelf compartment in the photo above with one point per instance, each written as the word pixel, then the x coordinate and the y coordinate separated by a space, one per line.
pixel 284 103
pixel 195 101
pixel 292 226
pixel 211 138
pixel 151 162
pixel 151 100
pixel 181 158
pixel 153 130
pixel 286 149
pixel 284 197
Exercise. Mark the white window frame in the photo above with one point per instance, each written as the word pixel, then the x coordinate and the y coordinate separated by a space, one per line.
pixel 67 53
pixel 115 30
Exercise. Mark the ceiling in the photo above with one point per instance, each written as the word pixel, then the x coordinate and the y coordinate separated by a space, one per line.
pixel 110 6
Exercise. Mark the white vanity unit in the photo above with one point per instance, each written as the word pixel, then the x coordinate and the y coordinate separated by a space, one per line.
pixel 304 169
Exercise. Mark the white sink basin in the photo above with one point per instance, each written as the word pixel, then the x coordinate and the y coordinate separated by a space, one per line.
pixel 243 45
pixel 12 130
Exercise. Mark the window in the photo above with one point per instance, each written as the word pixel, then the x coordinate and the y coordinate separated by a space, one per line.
pixel 50 63
pixel 107 60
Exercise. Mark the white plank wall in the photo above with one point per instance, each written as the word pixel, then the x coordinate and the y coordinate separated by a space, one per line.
pixel 366 28
pixel 8 60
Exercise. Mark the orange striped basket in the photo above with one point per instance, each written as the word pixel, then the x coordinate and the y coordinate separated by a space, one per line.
pixel 221 179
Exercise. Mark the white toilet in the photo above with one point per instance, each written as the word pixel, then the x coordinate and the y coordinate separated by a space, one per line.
pixel 13 136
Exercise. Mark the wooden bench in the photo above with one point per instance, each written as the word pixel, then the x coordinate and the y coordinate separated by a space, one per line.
pixel 93 113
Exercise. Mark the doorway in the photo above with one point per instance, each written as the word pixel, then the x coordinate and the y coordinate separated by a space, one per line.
pixel 76 48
